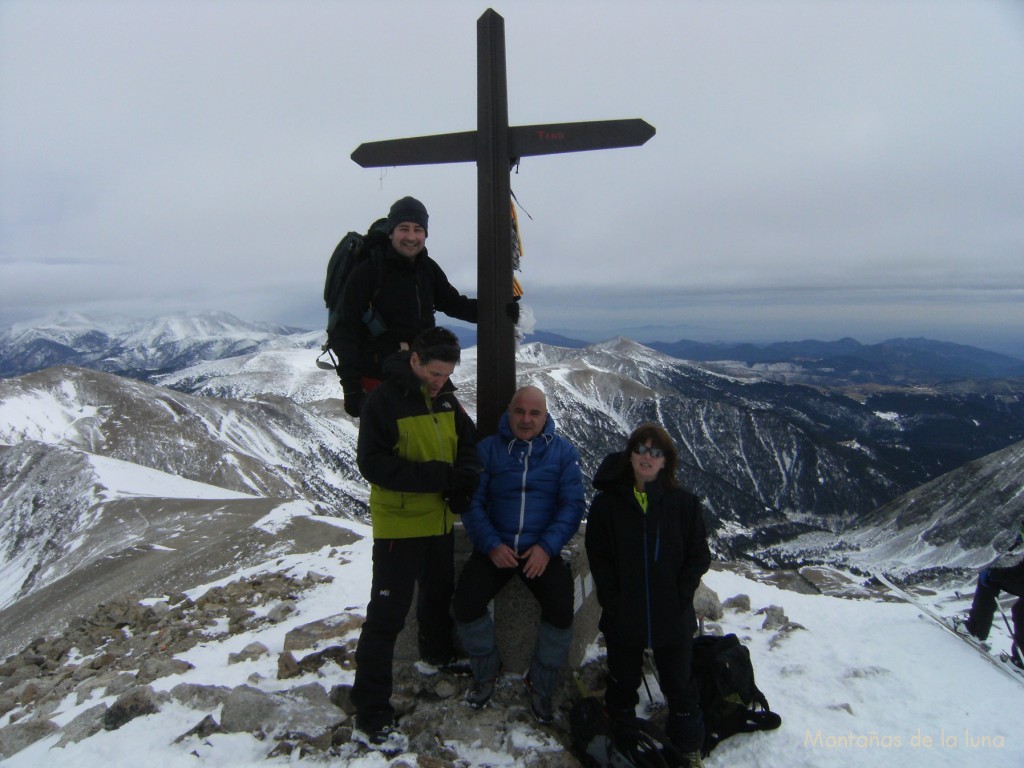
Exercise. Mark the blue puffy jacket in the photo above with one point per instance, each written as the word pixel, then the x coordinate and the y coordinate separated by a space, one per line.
pixel 529 493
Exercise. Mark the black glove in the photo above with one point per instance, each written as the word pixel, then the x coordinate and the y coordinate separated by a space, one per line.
pixel 512 310
pixel 459 503
pixel 463 481
pixel 354 402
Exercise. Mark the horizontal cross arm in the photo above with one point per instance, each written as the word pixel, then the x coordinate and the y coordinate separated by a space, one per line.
pixel 524 141
pixel 421 150
pixel 556 138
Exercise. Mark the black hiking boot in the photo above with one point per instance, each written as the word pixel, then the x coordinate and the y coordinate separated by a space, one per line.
pixel 543 707
pixel 480 693
pixel 387 738
pixel 451 665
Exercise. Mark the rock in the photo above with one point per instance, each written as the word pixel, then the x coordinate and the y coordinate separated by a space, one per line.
pixel 14 738
pixel 46 708
pixel 102 661
pixel 85 724
pixel 774 617
pixel 7 703
pixel 238 619
pixel 341 697
pixel 287 666
pixel 251 652
pixel 136 703
pixel 200 696
pixel 445 689
pixel 306 710
pixel 336 653
pixel 155 667
pixel 120 683
pixel 206 727
pixel 28 692
pixel 706 603
pixel 180 599
pixel 739 603
pixel 331 628
pixel 21 674
pixel 281 611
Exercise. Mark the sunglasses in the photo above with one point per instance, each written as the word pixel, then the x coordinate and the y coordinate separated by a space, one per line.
pixel 640 450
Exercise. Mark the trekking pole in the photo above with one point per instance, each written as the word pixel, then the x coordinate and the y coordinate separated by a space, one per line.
pixel 649 662
pixel 1015 649
pixel 650 696
pixel 1005 620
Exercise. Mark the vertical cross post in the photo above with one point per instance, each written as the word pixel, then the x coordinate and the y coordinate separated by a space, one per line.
pixel 496 374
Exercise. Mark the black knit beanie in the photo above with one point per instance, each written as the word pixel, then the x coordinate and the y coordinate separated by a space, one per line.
pixel 407 209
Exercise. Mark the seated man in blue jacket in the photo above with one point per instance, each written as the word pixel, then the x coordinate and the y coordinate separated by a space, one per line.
pixel 528 505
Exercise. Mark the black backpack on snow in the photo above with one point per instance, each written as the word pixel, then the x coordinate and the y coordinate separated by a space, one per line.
pixel 729 697
pixel 353 249
pixel 601 743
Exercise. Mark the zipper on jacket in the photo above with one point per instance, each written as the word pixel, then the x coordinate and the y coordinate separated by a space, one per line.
pixel 440 446
pixel 522 494
pixel 647 586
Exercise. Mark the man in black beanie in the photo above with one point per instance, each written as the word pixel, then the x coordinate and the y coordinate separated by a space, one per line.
pixel 389 299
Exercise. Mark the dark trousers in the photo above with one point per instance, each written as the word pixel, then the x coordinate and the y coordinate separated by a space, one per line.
pixel 398 566
pixel 675 676
pixel 481 580
pixel 983 608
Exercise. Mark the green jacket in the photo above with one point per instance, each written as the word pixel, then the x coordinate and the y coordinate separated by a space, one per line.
pixel 408 445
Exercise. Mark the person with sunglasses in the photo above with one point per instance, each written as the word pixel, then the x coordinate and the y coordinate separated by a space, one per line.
pixel 647 546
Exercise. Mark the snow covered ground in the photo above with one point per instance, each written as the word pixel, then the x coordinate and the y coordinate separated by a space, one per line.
pixel 863 683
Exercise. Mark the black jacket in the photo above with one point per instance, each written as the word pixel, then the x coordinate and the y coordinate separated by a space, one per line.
pixel 408 446
pixel 405 294
pixel 646 566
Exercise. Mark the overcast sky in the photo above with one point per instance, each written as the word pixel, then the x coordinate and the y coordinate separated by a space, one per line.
pixel 820 169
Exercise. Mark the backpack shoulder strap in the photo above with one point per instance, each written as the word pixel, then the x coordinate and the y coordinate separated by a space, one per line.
pixel 666 753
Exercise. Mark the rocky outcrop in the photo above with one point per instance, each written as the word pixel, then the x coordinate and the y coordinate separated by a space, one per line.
pixel 128 647
pixel 125 646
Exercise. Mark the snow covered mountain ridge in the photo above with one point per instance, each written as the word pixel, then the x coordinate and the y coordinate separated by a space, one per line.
pixel 131 347
pixel 141 348
pixel 236 468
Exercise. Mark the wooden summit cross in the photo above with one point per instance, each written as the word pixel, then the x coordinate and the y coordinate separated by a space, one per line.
pixel 496 148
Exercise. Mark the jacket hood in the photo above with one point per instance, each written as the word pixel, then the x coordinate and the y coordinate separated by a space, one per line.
pixel 609 473
pixel 546 435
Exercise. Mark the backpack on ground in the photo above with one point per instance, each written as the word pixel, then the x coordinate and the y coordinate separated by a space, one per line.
pixel 729 697
pixel 353 249
pixel 600 743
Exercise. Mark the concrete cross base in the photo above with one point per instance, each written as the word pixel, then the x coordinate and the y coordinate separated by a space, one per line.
pixel 517 614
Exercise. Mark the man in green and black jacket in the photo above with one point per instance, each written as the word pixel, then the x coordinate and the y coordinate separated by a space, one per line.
pixel 417 448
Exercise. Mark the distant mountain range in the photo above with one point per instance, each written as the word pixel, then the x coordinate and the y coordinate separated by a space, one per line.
pixel 147 348
pixel 896 361
pixel 136 348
